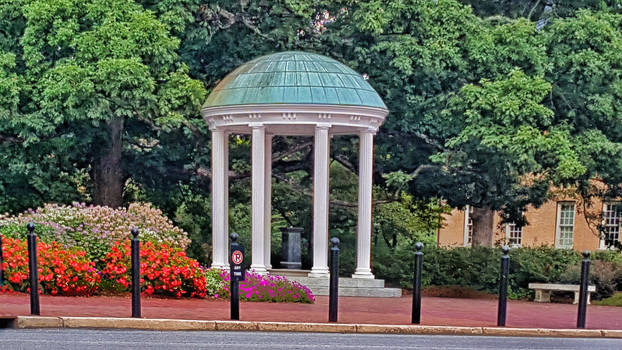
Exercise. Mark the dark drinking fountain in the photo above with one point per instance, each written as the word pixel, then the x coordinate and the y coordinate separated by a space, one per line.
pixel 290 247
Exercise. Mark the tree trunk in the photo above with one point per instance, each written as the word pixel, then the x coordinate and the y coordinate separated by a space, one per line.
pixel 482 227
pixel 107 168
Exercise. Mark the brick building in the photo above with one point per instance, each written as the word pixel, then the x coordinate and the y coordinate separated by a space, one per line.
pixel 567 223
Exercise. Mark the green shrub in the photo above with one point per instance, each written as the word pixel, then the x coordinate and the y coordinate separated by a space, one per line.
pixel 615 300
pixel 540 264
pixel 613 256
pixel 476 268
pixel 194 215
pixel 603 274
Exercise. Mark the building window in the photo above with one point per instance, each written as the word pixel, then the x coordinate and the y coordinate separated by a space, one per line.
pixel 611 222
pixel 468 226
pixel 514 235
pixel 565 225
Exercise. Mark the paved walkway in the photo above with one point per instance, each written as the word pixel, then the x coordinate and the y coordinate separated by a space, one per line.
pixel 435 311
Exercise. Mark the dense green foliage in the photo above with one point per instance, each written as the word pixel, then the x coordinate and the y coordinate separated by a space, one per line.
pixel 99 102
pixel 615 300
pixel 86 87
pixel 606 276
pixel 478 268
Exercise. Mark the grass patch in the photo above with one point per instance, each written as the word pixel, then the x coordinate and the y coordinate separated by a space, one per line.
pixel 615 300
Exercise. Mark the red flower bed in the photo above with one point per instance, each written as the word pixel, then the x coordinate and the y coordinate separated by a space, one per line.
pixel 164 270
pixel 61 271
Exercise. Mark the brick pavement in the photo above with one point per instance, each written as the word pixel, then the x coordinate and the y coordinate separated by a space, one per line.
pixel 435 311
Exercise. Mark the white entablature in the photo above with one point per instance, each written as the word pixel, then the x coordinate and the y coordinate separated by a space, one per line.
pixel 295 120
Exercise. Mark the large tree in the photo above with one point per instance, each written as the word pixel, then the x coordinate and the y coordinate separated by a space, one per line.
pixel 585 54
pixel 421 55
pixel 489 107
pixel 96 81
pixel 474 117
pixel 536 10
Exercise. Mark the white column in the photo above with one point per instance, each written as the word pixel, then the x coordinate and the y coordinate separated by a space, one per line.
pixel 320 202
pixel 267 231
pixel 225 241
pixel 258 181
pixel 363 236
pixel 219 171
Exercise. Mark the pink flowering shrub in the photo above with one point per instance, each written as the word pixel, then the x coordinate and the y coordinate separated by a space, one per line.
pixel 256 287
pixel 95 228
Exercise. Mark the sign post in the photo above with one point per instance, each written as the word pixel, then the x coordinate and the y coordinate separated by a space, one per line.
pixel 416 312
pixel 135 274
pixel 1 269
pixel 585 272
pixel 333 299
pixel 238 273
pixel 503 287
pixel 33 270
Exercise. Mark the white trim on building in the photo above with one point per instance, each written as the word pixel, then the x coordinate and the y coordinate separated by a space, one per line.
pixel 611 221
pixel 514 235
pixel 468 226
pixel 564 228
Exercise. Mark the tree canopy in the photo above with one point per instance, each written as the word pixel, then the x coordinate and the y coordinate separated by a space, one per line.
pixel 87 84
pixel 491 103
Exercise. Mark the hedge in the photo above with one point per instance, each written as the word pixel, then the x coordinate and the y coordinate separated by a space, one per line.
pixel 478 268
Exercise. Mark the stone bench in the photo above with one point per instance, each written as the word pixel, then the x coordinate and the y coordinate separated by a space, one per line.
pixel 543 291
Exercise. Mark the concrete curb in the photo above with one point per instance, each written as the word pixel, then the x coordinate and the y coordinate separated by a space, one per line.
pixel 197 325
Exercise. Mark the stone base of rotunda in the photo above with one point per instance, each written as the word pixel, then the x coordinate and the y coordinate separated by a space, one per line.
pixel 348 287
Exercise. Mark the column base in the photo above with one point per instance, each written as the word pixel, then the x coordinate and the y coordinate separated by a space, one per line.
pixel 259 269
pixel 363 273
pixel 319 272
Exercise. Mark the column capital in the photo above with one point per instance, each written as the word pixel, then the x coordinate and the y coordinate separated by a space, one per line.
pixel 323 126
pixel 214 128
pixel 256 125
pixel 219 129
pixel 369 130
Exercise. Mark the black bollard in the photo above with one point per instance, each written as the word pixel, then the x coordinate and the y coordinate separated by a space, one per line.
pixel 32 268
pixel 333 299
pixel 1 264
pixel 235 299
pixel 416 313
pixel 503 287
pixel 585 272
pixel 135 273
pixel 237 274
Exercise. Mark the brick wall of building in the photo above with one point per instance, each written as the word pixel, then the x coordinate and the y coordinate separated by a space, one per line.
pixel 541 229
pixel 452 232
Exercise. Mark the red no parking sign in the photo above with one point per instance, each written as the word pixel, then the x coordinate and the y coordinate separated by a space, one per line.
pixel 237 257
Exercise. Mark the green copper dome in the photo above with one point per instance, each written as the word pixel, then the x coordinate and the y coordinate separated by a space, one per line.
pixel 294 78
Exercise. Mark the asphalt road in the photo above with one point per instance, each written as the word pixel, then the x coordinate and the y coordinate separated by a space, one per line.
pixel 83 339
